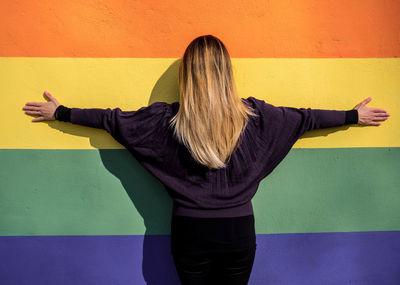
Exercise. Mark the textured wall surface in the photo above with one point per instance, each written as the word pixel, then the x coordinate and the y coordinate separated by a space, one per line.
pixel 77 208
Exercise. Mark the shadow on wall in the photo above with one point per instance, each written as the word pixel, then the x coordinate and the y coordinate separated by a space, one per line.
pixel 147 193
pixel 154 205
pixel 166 88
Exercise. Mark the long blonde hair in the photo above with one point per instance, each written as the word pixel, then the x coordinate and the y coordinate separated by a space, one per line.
pixel 211 115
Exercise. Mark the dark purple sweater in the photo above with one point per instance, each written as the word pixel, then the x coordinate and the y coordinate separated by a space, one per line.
pixel 196 190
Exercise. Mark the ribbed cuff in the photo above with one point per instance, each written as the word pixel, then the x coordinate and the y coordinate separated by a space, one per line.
pixel 63 113
pixel 351 117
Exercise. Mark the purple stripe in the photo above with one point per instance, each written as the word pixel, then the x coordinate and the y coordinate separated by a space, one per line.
pixel 313 258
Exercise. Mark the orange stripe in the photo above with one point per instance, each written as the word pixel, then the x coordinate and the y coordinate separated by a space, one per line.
pixel 280 28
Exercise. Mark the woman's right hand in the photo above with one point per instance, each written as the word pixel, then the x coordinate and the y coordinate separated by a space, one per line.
pixel 45 110
pixel 369 116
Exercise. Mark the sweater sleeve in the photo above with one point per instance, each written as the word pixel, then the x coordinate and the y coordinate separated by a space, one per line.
pixel 291 123
pixel 63 114
pixel 297 121
pixel 280 127
pixel 351 117
pixel 129 128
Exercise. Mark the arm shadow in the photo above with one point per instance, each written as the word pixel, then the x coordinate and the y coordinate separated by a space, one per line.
pixel 147 194
pixel 326 131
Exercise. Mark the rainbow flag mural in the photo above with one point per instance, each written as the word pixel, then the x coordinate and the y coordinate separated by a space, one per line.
pixel 77 208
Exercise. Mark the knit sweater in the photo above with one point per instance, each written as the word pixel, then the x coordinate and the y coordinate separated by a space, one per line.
pixel 196 190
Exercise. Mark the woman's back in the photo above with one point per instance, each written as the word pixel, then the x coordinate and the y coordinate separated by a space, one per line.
pixel 197 190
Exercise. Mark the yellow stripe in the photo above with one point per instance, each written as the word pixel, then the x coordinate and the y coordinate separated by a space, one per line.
pixel 129 83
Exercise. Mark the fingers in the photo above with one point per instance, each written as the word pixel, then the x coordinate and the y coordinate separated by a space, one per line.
pixel 377 117
pixel 374 120
pixel 45 110
pixel 367 100
pixel 48 95
pixel 33 112
pixel 38 119
pixel 363 103
pixel 38 104
pixel 378 114
pixel 376 110
pixel 31 108
pixel 51 97
pixel 380 118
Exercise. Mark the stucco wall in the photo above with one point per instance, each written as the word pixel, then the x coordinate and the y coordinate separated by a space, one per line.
pixel 76 208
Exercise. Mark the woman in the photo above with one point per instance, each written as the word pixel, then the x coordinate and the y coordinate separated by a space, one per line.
pixel 210 150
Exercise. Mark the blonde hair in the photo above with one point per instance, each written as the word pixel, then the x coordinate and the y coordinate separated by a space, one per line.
pixel 211 115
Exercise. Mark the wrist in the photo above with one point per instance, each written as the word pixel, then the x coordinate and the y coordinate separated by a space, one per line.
pixel 351 116
pixel 62 113
pixel 55 112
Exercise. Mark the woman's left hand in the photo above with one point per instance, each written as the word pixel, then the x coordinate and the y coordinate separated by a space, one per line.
pixel 369 116
pixel 45 110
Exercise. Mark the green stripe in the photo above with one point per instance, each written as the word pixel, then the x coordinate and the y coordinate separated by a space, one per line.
pixel 107 192
pixel 331 190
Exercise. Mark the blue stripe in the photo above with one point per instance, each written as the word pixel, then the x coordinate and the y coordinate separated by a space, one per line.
pixel 309 258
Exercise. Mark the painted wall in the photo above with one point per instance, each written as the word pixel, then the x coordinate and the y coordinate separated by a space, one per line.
pixel 76 208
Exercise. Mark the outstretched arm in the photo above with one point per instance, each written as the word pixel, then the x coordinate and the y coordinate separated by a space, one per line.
pixel 297 121
pixel 281 127
pixel 107 119
pixel 130 128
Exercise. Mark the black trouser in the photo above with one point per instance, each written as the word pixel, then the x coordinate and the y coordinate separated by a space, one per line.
pixel 213 250
pixel 220 268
